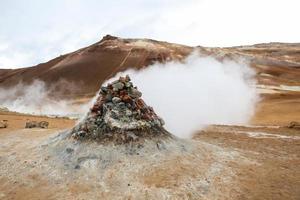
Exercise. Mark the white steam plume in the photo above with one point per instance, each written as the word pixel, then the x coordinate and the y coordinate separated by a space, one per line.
pixel 199 91
pixel 36 98
pixel 188 95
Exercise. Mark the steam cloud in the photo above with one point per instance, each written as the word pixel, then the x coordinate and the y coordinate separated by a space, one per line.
pixel 187 95
pixel 36 98
pixel 199 91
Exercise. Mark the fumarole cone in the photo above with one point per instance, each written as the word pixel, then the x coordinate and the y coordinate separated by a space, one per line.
pixel 120 115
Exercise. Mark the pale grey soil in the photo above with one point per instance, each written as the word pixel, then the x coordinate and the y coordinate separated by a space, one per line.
pixel 36 167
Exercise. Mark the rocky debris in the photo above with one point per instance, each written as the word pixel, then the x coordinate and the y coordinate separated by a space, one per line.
pixel 294 125
pixel 3 124
pixel 35 124
pixel 120 114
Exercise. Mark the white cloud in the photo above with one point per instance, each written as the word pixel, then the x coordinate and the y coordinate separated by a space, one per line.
pixel 48 29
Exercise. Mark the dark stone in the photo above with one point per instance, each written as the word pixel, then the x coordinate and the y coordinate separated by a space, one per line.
pixel 69 150
pixel 77 167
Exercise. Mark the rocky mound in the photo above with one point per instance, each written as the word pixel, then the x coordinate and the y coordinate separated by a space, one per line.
pixel 120 115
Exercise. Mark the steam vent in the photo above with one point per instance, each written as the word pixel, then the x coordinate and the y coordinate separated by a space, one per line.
pixel 119 115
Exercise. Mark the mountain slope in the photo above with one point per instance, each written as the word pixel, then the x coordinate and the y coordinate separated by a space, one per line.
pixel 275 63
pixel 89 67
pixel 78 75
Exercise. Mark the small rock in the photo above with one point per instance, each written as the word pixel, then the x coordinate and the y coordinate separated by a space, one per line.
pixel 126 98
pixel 160 145
pixel 3 124
pixel 132 136
pixel 77 167
pixel 162 122
pixel 128 105
pixel 128 113
pixel 295 125
pixel 118 86
pixel 127 78
pixel 80 134
pixel 109 97
pixel 116 100
pixel 43 124
pixel 31 124
pixel 69 150
pixel 103 90
pixel 122 79
pixel 134 93
pixel 128 84
pixel 35 124
pixel 121 105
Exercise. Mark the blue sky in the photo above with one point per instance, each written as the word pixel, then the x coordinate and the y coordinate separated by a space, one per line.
pixel 34 31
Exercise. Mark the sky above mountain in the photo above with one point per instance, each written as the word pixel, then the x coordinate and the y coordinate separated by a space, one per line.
pixel 34 31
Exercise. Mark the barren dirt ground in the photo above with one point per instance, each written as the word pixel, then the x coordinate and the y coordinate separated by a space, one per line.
pixel 236 162
pixel 278 109
pixel 275 174
pixel 16 141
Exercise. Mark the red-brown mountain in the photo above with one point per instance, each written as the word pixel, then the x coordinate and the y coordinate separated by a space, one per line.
pixel 87 68
pixel 78 75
